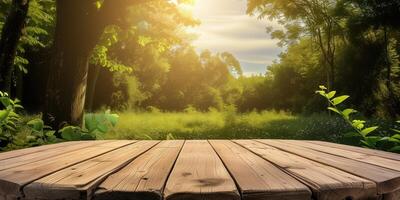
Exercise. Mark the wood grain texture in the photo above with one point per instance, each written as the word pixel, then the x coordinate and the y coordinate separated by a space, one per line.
pixel 383 154
pixel 362 157
pixel 257 178
pixel 326 183
pixel 22 152
pixel 80 180
pixel 143 178
pixel 199 174
pixel 42 155
pixel 387 180
pixel 12 180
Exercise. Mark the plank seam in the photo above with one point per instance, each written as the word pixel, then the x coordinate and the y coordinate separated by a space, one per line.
pixel 69 151
pixel 227 169
pixel 61 145
pixel 352 158
pixel 320 162
pixel 307 184
pixel 170 171
pixel 357 149
pixel 97 182
pixel 22 187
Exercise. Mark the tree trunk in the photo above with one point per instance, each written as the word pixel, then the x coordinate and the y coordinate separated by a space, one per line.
pixel 75 38
pixel 94 72
pixel 10 36
pixel 79 26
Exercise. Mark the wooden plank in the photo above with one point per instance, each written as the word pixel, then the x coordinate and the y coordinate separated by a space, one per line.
pixel 383 154
pixel 392 196
pixel 22 152
pixel 326 183
pixel 80 180
pixel 199 174
pixel 42 155
pixel 143 178
pixel 387 180
pixel 257 178
pixel 12 180
pixel 367 158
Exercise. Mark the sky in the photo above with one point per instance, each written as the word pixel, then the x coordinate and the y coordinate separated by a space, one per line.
pixel 225 26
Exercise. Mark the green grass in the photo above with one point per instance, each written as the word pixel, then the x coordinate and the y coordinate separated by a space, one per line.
pixel 228 125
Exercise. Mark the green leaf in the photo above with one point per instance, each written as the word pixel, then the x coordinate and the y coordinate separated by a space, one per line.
pixel 371 141
pixel 5 101
pixel 339 100
pixel 321 92
pixel 331 94
pixel 334 110
pixel 322 87
pixel 36 124
pixel 358 124
pixel 391 139
pixel 367 131
pixel 90 122
pixel 348 112
pixel 113 118
pixel 397 136
pixel 102 127
pixel 4 114
pixel 352 134
pixel 71 133
pixel 395 149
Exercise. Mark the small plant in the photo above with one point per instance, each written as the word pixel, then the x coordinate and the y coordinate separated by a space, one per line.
pixel 96 124
pixel 14 133
pixel 8 116
pixel 360 130
pixel 41 132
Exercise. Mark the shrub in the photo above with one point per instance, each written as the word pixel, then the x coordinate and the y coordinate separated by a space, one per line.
pixel 96 124
pixel 14 133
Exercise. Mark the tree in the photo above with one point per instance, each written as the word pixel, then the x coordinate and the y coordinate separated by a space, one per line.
pixel 10 36
pixel 79 26
pixel 314 18
pixel 138 53
pixel 375 23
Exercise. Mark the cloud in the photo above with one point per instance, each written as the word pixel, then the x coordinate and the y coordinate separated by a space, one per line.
pixel 226 27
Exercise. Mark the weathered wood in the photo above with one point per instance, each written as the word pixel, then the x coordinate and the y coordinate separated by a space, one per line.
pixel 326 183
pixel 199 174
pixel 22 152
pixel 387 180
pixel 80 180
pixel 143 178
pixel 12 180
pixel 383 154
pixel 257 178
pixel 392 196
pixel 367 158
pixel 42 155
pixel 217 169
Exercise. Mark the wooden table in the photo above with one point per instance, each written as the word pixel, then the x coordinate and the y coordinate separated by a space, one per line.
pixel 214 169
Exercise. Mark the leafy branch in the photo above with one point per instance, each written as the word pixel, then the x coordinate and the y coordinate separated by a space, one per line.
pixel 359 128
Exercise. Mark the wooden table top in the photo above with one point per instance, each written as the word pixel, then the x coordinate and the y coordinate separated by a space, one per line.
pixel 199 169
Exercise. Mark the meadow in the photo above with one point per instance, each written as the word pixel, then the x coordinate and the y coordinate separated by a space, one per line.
pixel 227 125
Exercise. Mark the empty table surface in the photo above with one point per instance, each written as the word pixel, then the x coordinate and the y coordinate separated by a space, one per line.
pixel 199 169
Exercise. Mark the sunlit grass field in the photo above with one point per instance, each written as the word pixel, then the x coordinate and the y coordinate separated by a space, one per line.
pixel 227 125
